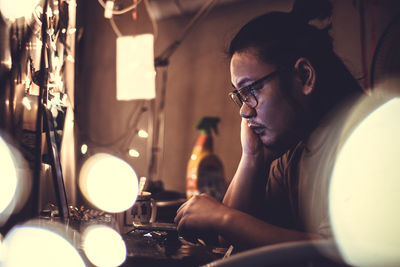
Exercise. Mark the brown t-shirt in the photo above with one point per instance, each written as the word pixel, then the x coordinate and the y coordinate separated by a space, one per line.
pixel 297 191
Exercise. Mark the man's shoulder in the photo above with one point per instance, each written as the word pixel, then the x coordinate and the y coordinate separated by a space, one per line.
pixel 289 160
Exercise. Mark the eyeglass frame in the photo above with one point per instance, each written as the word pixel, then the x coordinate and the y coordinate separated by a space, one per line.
pixel 250 89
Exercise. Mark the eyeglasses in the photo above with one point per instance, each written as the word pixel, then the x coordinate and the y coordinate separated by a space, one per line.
pixel 246 94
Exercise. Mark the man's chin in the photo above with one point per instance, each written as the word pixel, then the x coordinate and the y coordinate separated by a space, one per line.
pixel 274 148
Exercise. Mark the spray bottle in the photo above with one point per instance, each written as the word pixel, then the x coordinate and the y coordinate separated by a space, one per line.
pixel 205 173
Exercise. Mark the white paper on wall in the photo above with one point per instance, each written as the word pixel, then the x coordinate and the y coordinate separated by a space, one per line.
pixel 135 67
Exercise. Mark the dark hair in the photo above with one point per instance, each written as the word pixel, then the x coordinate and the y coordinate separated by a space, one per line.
pixel 281 38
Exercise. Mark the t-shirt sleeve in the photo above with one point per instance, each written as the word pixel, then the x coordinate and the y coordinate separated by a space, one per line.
pixel 277 202
pixel 282 191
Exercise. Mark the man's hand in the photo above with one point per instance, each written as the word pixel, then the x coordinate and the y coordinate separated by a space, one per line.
pixel 251 143
pixel 200 216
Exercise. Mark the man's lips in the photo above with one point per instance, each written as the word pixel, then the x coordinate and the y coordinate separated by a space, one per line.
pixel 256 128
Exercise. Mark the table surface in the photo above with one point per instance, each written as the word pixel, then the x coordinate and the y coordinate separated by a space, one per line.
pixel 161 248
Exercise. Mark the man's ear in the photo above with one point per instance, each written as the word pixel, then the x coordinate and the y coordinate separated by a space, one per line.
pixel 306 74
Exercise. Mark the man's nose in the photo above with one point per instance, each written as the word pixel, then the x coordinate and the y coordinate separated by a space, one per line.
pixel 247 112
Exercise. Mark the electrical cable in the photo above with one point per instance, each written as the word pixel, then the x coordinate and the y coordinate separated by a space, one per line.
pixel 131 128
pixel 162 61
pixel 164 56
pixel 122 11
pixel 125 10
pixel 152 19
pixel 115 27
pixel 132 134
pixel 179 6
pixel 363 45
pixel 200 14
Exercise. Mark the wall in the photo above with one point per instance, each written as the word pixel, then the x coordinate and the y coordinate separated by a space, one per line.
pixel 198 74
pixel 199 80
pixel 198 85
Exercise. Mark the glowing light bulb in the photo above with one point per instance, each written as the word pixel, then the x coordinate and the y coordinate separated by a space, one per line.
pixel 26 103
pixel 9 179
pixel 71 59
pixel 364 193
pixel 84 149
pixel 103 246
pixel 134 153
pixel 143 134
pixel 43 248
pixel 17 8
pixel 108 182
pixel 72 31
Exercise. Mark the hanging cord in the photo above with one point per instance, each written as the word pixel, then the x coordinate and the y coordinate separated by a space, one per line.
pixel 115 28
pixel 122 11
pixel 159 116
pixel 152 19
pixel 132 127
pixel 373 28
pixel 363 46
pixel 162 59
pixel 110 12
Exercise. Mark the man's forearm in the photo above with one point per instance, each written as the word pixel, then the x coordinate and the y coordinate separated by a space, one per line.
pixel 247 189
pixel 245 231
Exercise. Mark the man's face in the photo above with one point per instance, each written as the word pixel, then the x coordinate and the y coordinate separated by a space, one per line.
pixel 276 119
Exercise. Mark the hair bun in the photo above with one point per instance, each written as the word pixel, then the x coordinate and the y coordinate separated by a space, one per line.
pixel 306 10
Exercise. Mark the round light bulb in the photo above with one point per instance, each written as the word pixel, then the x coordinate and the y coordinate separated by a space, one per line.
pixel 14 9
pixel 108 182
pixel 143 134
pixel 134 153
pixel 364 193
pixel 36 246
pixel 84 149
pixel 103 246
pixel 9 180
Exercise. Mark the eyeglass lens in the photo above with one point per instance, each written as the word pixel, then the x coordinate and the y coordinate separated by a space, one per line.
pixel 247 98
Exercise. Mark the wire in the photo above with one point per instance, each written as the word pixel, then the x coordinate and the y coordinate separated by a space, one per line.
pixel 162 61
pixel 115 28
pixel 152 19
pixel 132 134
pixel 201 13
pixel 124 137
pixel 163 58
pixel 122 11
pixel 125 10
pixel 102 3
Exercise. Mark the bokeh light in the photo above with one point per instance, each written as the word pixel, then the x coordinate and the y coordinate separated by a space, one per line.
pixel 364 191
pixel 9 180
pixel 143 134
pixel 13 9
pixel 27 103
pixel 108 182
pixel 84 149
pixel 104 246
pixel 15 181
pixel 133 153
pixel 31 245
